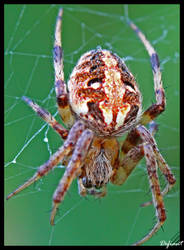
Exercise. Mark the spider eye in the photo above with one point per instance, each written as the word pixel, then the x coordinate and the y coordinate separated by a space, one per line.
pixel 86 182
pixel 129 84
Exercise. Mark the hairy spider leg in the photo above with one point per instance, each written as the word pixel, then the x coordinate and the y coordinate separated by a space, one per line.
pixel 127 165
pixel 147 148
pixel 157 108
pixel 60 85
pixel 156 193
pixel 133 138
pixel 164 168
pixel 130 154
pixel 72 170
pixel 135 154
pixel 47 117
pixel 134 147
pixel 130 149
pixel 56 158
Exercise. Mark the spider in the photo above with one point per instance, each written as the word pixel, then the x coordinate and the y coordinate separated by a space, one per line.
pixel 100 103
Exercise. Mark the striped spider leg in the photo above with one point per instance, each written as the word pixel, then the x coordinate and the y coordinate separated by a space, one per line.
pixel 140 142
pixel 78 141
pixel 101 102
pixel 147 148
pixel 47 117
pixel 60 86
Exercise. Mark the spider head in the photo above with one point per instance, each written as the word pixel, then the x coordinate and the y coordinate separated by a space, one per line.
pixel 97 168
pixel 103 93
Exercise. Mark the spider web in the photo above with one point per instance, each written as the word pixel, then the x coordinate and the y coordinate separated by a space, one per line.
pixel 118 218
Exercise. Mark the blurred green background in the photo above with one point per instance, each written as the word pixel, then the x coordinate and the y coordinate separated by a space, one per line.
pixel 118 218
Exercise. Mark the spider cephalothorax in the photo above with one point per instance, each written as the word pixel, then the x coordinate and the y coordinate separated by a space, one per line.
pixel 99 163
pixel 104 93
pixel 101 103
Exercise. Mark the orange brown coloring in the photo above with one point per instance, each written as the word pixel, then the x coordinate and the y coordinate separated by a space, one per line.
pixel 104 93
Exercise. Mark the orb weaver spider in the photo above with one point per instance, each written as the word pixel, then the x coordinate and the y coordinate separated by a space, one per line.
pixel 100 103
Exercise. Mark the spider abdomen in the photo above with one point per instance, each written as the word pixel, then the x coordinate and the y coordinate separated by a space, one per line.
pixel 103 92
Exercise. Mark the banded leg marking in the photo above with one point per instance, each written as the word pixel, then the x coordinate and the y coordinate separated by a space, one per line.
pixel 72 170
pixel 155 109
pixel 47 117
pixel 55 159
pixel 60 85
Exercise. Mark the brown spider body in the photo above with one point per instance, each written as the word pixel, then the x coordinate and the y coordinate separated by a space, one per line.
pixel 104 94
pixel 101 103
